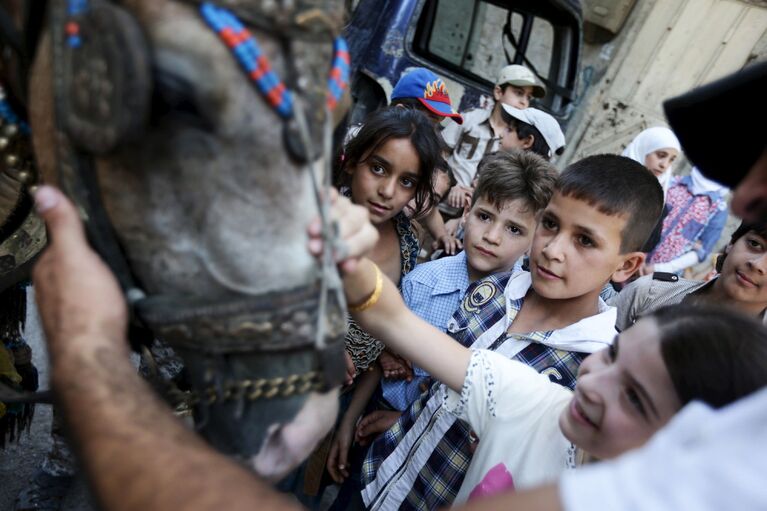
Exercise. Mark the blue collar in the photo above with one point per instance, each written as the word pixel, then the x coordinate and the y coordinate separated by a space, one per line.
pixel 456 264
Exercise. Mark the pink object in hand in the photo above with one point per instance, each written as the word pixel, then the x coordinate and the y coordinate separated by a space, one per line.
pixel 496 480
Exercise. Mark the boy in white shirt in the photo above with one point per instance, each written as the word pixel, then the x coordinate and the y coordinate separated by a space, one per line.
pixel 484 131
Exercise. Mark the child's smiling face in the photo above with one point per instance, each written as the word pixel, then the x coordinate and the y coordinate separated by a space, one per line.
pixel 385 180
pixel 623 396
pixel 744 272
pixel 576 250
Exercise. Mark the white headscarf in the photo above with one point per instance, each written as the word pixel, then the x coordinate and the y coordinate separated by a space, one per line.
pixel 702 184
pixel 650 140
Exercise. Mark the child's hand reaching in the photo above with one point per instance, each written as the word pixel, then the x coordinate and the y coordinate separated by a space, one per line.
pixel 395 367
pixel 351 371
pixel 459 196
pixel 357 235
pixel 374 424
pixel 449 243
pixel 337 463
pixel 451 226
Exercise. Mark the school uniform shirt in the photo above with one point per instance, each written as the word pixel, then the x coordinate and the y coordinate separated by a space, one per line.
pixel 420 462
pixel 469 142
pixel 704 459
pixel 433 291
pixel 514 410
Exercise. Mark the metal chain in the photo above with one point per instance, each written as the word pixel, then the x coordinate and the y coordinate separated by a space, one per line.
pixel 261 388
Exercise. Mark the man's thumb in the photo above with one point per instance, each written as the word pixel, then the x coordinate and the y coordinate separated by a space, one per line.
pixel 59 214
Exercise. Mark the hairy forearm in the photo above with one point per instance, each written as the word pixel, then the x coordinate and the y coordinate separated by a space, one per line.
pixel 136 453
pixel 391 322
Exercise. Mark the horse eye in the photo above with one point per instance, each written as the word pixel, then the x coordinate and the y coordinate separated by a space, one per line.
pixel 173 95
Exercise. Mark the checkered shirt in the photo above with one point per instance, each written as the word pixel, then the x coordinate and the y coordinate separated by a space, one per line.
pixel 421 461
pixel 433 291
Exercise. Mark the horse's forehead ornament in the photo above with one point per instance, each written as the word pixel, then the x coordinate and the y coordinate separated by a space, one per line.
pixel 245 349
pixel 22 233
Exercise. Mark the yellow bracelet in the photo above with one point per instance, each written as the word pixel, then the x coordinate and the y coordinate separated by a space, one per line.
pixel 373 299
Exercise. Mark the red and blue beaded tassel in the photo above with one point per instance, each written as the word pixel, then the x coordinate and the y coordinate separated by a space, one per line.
pixel 74 9
pixel 339 74
pixel 247 52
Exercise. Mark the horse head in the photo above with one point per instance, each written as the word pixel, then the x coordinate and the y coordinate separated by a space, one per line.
pixel 197 190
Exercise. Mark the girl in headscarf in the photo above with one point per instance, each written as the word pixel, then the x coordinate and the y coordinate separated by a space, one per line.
pixel 655 148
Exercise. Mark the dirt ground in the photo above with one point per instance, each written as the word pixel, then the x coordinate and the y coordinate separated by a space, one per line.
pixel 19 461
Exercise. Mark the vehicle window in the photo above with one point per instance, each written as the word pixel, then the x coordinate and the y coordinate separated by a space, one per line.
pixel 474 39
pixel 541 46
pixel 471 34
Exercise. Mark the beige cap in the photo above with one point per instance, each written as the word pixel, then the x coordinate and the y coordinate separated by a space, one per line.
pixel 522 77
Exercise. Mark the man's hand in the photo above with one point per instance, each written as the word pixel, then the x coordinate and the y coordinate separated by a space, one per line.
pixel 77 296
pixel 357 235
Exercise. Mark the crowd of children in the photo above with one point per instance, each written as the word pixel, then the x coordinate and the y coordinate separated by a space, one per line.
pixel 500 365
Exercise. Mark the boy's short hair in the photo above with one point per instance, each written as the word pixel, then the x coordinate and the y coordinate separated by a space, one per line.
pixel 515 174
pixel 617 185
pixel 758 227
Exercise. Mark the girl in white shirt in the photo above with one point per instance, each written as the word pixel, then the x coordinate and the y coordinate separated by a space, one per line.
pixel 530 429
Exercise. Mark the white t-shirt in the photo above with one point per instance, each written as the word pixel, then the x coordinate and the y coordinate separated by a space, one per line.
pixel 704 459
pixel 514 411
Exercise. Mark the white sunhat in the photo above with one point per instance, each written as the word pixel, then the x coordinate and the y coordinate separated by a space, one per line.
pixel 543 122
pixel 521 77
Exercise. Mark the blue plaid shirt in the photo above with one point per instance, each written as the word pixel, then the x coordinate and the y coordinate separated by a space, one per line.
pixel 421 461
pixel 433 291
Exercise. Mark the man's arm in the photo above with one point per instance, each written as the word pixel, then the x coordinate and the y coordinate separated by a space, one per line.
pixel 136 454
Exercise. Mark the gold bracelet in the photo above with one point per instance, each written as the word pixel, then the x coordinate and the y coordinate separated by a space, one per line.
pixel 373 299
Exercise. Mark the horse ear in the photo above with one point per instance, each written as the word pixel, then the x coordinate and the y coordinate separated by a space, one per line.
pixel 103 90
